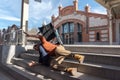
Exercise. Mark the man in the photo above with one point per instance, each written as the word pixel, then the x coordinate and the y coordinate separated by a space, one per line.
pixel 60 53
pixel 44 58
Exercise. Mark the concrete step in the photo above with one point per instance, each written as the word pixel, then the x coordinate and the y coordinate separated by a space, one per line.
pixel 112 60
pixel 102 70
pixel 29 74
pixel 107 59
pixel 46 71
pixel 4 75
pixel 55 75
pixel 102 49
pixel 32 51
pixel 18 73
pixel 29 56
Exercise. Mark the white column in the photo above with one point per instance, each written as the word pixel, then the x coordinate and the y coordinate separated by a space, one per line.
pixel 110 28
pixel 24 18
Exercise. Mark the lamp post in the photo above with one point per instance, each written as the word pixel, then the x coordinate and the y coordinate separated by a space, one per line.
pixel 24 18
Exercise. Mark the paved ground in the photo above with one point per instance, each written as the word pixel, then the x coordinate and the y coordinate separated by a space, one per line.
pixel 4 75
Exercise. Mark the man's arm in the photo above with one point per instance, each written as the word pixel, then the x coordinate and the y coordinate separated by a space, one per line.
pixel 35 36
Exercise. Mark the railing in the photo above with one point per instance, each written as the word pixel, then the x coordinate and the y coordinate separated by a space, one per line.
pixel 13 37
pixel 95 43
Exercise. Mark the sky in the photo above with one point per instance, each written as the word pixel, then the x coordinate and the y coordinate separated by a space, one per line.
pixel 10 11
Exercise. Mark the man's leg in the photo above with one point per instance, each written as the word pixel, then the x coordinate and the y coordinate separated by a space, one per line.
pixel 60 50
pixel 78 57
pixel 55 65
pixel 43 52
pixel 45 58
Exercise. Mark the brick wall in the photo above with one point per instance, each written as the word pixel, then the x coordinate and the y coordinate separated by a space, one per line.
pixel 90 22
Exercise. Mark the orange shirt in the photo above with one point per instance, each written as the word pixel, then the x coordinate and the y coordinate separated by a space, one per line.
pixel 49 47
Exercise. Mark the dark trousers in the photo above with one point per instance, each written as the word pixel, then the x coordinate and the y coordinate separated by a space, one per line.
pixel 44 58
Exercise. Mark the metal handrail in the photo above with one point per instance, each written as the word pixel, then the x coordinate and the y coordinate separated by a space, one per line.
pixel 13 37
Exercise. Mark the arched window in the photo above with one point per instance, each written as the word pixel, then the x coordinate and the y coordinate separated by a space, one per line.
pixel 67 33
pixel 68 27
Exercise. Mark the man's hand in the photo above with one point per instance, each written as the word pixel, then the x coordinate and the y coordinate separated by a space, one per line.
pixel 26 34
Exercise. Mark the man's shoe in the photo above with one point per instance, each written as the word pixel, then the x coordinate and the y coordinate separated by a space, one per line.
pixel 72 71
pixel 79 57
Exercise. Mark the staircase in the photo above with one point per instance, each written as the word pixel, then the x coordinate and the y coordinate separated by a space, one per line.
pixel 95 67
pixel 102 65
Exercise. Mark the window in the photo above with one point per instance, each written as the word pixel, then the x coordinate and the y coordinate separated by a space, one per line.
pixel 65 28
pixel 71 25
pixel 68 32
pixel 97 36
pixel 79 26
pixel 68 27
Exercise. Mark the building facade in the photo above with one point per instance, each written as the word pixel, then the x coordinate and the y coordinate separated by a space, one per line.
pixel 14 35
pixel 76 26
pixel 113 8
